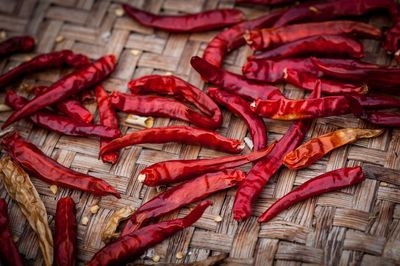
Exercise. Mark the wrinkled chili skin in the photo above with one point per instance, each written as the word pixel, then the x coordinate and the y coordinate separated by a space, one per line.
pixel 9 254
pixel 59 123
pixel 49 171
pixel 18 44
pixel 191 191
pixel 327 182
pixel 133 245
pixel 321 45
pixel 199 22
pixel 182 134
pixel 157 106
pixel 241 108
pixel 386 119
pixel 65 236
pixel 234 83
pixel 67 86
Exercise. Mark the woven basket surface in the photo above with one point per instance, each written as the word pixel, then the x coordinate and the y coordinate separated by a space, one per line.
pixel 353 226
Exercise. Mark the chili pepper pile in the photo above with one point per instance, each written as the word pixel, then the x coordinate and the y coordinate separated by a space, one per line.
pixel 286 44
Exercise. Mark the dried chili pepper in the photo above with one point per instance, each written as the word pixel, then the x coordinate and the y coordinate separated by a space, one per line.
pixel 203 21
pixel 234 83
pixel 387 119
pixel 18 44
pixel 175 171
pixel 392 39
pixel 44 61
pixel 20 188
pixel 109 232
pixel 182 134
pixel 272 37
pixel 181 195
pixel 264 2
pixel 321 45
pixel 109 118
pixel 66 233
pixel 241 108
pixel 68 85
pixel 152 105
pixel 327 182
pixel 9 254
pixel 59 123
pixel 133 245
pixel 49 171
pixel 316 148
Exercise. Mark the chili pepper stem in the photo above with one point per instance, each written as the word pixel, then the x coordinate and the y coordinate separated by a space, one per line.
pixel 143 121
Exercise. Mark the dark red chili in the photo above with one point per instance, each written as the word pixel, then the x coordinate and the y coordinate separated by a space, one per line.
pixel 327 182
pixel 181 195
pixel 49 171
pixel 241 108
pixel 203 21
pixel 18 44
pixel 133 245
pixel 67 86
pixel 386 119
pixel 9 254
pixel 108 118
pixel 66 233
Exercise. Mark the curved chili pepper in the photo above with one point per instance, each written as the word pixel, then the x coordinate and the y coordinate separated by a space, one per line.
pixel 234 83
pixel 181 195
pixel 175 171
pixel 18 44
pixel 152 105
pixel 241 108
pixel 327 182
pixel 66 233
pixel 49 171
pixel 182 134
pixel 314 149
pixel 272 37
pixel 264 2
pixel 44 61
pixel 203 21
pixel 133 245
pixel 9 254
pixel 68 85
pixel 321 45
pixel 59 123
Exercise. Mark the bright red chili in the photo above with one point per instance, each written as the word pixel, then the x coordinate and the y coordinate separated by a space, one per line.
pixel 241 108
pixel 9 254
pixel 66 233
pixel 67 86
pixel 324 183
pixel 191 191
pixel 59 123
pixel 18 44
pixel 198 22
pixel 49 171
pixel 109 118
pixel 234 83
pixel 182 134
pixel 133 245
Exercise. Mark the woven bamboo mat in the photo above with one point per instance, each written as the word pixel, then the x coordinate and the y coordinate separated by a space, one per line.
pixel 357 225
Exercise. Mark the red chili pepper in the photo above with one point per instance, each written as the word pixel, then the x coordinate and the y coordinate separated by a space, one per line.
pixel 321 45
pixel 264 2
pixel 66 233
pixel 182 134
pixel 109 118
pixel 203 21
pixel 175 171
pixel 386 119
pixel 327 182
pixel 68 85
pixel 18 44
pixel 133 245
pixel 234 83
pixel 272 37
pixel 241 108
pixel 9 254
pixel 152 105
pixel 49 171
pixel 181 195
pixel 59 123
pixel 44 61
